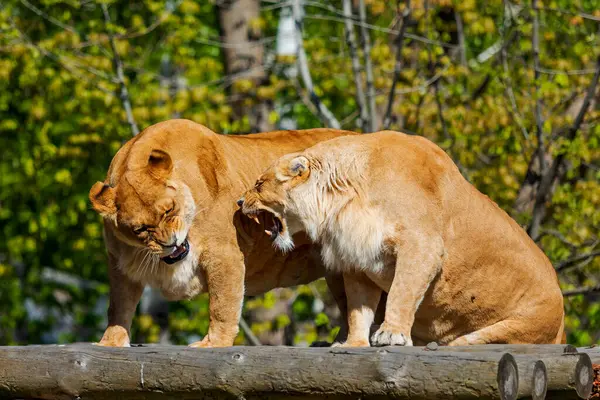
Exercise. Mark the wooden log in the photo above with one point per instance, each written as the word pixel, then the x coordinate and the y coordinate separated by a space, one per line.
pixel 91 372
pixel 512 348
pixel 570 376
pixel 592 351
pixel 531 371
pixel 533 377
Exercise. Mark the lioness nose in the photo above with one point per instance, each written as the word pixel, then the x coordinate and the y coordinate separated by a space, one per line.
pixel 240 202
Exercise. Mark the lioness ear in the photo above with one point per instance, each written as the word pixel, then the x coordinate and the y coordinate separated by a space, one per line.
pixel 160 164
pixel 299 166
pixel 102 197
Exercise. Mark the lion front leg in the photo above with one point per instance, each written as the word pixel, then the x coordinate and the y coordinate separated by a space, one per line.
pixel 225 283
pixel 362 298
pixel 419 260
pixel 124 298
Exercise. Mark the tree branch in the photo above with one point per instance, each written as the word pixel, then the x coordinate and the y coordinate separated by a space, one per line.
pixel 252 339
pixel 118 66
pixel 366 40
pixel 581 290
pixel 566 72
pixel 418 112
pixel 325 114
pixel 436 91
pixel 399 43
pixel 49 17
pixel 72 68
pixel 573 261
pixel 540 151
pixel 170 8
pixel 436 85
pixel 461 37
pixel 559 236
pixel 356 67
pixel 425 85
pixel 513 12
pixel 376 28
pixel 508 87
pixel 545 187
pixel 567 12
pixel 440 109
pixel 134 34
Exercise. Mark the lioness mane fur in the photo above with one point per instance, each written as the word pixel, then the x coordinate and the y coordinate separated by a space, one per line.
pixel 335 217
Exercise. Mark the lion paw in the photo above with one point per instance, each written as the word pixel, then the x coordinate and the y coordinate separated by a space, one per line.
pixel 204 343
pixel 359 343
pixel 385 337
pixel 114 336
pixel 111 343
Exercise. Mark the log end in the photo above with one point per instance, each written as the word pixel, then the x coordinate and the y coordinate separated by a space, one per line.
pixel 508 377
pixel 584 376
pixel 540 381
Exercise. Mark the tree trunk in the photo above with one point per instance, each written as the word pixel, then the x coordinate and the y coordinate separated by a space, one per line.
pixel 244 55
pixel 528 190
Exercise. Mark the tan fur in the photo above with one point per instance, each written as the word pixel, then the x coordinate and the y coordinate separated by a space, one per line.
pixel 181 180
pixel 394 214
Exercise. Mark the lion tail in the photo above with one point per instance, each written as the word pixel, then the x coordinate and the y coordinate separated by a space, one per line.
pixel 561 336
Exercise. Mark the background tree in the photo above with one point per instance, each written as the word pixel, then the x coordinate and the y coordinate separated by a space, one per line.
pixel 507 88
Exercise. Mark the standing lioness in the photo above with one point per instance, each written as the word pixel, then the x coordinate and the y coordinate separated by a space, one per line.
pixel 171 222
pixel 393 213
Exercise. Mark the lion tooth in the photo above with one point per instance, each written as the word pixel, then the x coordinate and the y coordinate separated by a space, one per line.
pixel 255 218
pixel 268 232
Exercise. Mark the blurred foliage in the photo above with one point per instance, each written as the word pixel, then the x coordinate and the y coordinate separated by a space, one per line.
pixel 61 122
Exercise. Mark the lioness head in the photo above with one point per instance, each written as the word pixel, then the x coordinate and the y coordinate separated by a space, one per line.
pixel 272 194
pixel 149 210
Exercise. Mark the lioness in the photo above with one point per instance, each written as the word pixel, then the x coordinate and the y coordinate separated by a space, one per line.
pixel 393 213
pixel 170 219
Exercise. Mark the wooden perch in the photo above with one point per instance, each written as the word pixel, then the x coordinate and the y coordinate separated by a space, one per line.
pixel 533 378
pixel 516 348
pixel 567 372
pixel 159 372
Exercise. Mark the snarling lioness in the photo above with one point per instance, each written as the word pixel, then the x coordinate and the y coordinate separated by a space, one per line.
pixel 170 219
pixel 393 213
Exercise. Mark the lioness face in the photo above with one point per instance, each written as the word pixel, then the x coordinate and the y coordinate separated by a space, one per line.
pixel 272 194
pixel 149 210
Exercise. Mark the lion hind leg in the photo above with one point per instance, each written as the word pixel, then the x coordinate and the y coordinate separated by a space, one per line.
pixel 335 283
pixel 362 299
pixel 511 331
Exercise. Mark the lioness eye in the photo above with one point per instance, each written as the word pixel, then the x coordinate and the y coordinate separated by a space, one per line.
pixel 258 184
pixel 140 229
pixel 170 210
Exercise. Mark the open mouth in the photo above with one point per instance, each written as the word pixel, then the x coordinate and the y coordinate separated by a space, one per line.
pixel 272 222
pixel 179 253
